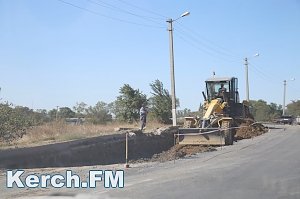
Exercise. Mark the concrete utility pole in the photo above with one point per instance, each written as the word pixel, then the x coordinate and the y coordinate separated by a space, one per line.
pixel 56 115
pixel 284 93
pixel 247 79
pixel 170 29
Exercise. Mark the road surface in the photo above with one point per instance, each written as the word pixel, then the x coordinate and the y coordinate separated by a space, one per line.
pixel 265 167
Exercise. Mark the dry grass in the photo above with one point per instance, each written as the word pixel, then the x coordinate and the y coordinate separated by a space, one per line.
pixel 60 132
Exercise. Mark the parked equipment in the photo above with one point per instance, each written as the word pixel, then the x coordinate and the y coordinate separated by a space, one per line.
pixel 222 112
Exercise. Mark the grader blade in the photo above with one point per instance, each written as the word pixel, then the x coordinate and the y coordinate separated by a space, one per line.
pixel 200 136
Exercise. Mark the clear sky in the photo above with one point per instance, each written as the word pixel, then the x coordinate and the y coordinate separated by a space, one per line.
pixel 56 53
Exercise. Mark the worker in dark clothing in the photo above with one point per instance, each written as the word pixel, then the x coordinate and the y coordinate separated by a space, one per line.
pixel 143 116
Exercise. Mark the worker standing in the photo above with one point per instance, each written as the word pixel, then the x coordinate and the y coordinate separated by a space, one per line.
pixel 143 116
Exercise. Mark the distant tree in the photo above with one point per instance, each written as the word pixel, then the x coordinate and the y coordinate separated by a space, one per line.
pixel 260 110
pixel 126 107
pixel 99 114
pixel 294 108
pixel 263 111
pixel 184 113
pixel 275 110
pixel 65 112
pixel 53 114
pixel 41 116
pixel 161 102
pixel 80 109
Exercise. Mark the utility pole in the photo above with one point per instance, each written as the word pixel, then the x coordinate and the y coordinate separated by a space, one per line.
pixel 173 96
pixel 247 80
pixel 56 116
pixel 170 29
pixel 284 93
pixel 247 77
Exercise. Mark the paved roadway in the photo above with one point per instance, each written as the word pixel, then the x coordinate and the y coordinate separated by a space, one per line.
pixel 266 167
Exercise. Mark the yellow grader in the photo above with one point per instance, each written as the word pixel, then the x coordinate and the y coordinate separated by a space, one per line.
pixel 223 112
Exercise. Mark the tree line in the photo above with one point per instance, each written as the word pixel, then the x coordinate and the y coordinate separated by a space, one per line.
pixel 14 120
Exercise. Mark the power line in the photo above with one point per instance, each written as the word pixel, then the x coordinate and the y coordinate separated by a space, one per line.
pixel 144 9
pixel 115 8
pixel 192 44
pixel 210 43
pixel 268 78
pixel 262 76
pixel 109 17
pixel 202 47
pixel 260 73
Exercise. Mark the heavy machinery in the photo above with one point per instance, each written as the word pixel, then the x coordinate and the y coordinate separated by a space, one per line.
pixel 223 112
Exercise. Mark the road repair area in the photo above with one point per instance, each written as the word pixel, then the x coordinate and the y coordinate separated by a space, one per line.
pixel 265 166
pixel 109 149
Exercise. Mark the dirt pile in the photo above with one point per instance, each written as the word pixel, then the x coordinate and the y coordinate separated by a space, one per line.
pixel 249 130
pixel 179 151
pixel 175 152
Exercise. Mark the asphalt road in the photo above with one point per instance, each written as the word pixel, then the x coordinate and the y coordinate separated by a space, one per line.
pixel 265 167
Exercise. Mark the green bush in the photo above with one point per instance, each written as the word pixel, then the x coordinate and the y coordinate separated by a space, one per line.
pixel 12 124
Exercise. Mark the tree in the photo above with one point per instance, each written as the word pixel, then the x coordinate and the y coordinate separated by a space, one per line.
pixel 35 117
pixel 99 114
pixel 126 107
pixel 80 109
pixel 65 112
pixel 294 108
pixel 53 114
pixel 161 102
pixel 13 125
pixel 262 111
pixel 184 113
pixel 275 110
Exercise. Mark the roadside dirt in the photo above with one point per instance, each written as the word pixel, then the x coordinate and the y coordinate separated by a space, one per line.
pixel 180 151
pixel 157 145
pixel 250 130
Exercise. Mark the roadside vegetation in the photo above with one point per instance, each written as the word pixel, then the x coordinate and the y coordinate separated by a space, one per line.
pixel 20 126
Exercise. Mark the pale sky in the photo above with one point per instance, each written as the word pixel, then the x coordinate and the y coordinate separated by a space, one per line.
pixel 56 53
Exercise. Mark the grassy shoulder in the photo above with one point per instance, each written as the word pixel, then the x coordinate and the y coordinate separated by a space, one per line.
pixel 56 132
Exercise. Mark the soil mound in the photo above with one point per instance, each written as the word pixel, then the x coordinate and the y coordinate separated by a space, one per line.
pixel 249 130
pixel 180 151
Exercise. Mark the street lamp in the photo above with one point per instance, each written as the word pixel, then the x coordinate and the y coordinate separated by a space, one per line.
pixel 284 94
pixel 247 78
pixel 170 29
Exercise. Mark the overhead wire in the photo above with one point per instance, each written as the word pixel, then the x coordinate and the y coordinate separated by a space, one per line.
pixel 202 47
pixel 222 51
pixel 192 44
pixel 108 17
pixel 218 48
pixel 263 75
pixel 115 8
pixel 144 9
pixel 269 78
pixel 190 37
